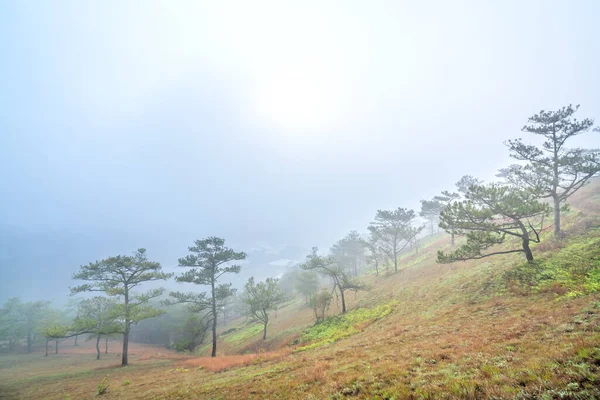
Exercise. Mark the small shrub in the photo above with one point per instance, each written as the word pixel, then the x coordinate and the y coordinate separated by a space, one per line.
pixel 320 303
pixel 126 382
pixel 103 386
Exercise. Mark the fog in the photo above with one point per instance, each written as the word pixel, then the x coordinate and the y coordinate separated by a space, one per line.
pixel 277 126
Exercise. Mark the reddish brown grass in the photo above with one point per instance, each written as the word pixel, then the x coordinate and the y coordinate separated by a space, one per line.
pixel 316 373
pixel 223 363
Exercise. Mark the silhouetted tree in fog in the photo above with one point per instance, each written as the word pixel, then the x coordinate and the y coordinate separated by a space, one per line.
pixel 376 256
pixel 349 252
pixel 329 267
pixel 261 298
pixel 394 230
pixel 430 210
pixel 19 320
pixel 464 184
pixel 446 198
pixel 306 284
pixel 320 302
pixel 98 316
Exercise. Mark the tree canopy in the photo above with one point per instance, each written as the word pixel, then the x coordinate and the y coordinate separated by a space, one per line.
pixel 328 266
pixel 210 259
pixel 489 215
pixel 349 252
pixel 394 230
pixel 554 170
pixel 430 211
pixel 119 276
pixel 262 297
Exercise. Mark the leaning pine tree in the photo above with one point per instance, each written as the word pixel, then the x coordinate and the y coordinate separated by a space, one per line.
pixel 552 168
pixel 488 217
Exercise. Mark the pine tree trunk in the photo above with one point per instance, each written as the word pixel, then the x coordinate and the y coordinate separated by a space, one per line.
pixel 527 249
pixel 46 355
pixel 452 236
pixel 56 346
pixel 76 336
pixel 556 202
pixel 395 256
pixel 265 331
pixel 214 321
pixel 124 357
pixel 343 300
pixel 106 346
pixel 98 347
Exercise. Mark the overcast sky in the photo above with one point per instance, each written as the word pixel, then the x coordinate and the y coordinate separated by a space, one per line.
pixel 276 125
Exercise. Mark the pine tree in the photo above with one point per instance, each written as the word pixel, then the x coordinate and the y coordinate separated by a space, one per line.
pixel 210 259
pixel 395 231
pixel 489 215
pixel 553 169
pixel 329 267
pixel 430 210
pixel 261 298
pixel 120 276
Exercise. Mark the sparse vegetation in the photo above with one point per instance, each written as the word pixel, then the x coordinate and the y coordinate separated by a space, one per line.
pixel 338 327
pixel 103 386
pixel 320 303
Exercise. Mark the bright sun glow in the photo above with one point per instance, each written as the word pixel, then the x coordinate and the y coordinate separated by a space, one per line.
pixel 297 102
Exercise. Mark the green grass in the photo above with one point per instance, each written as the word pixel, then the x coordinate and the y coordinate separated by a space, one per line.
pixel 341 326
pixel 572 270
pixel 241 335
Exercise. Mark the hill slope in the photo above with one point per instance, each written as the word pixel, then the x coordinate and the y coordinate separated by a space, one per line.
pixel 490 328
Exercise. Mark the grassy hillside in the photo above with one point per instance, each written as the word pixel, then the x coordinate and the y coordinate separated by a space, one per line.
pixel 492 328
